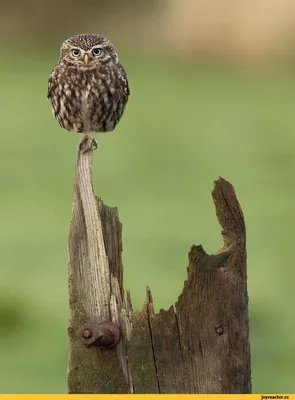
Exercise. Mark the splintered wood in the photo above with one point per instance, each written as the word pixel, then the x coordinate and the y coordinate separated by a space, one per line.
pixel 199 345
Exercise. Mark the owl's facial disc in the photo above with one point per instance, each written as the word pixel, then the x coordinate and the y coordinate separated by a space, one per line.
pixel 92 57
pixel 87 51
pixel 86 57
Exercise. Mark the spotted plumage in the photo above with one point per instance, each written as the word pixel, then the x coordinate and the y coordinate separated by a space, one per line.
pixel 88 88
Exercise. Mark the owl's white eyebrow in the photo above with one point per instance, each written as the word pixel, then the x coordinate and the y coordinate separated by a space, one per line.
pixel 96 47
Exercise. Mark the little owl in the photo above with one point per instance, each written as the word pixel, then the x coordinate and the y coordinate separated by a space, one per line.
pixel 88 88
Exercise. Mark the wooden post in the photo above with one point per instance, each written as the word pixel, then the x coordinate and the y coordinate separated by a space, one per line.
pixel 200 345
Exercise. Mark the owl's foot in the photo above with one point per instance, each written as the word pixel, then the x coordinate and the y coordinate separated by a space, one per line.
pixel 88 143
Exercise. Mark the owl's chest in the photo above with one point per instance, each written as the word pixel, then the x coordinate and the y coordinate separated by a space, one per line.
pixel 86 104
pixel 89 102
pixel 89 87
pixel 82 90
pixel 91 91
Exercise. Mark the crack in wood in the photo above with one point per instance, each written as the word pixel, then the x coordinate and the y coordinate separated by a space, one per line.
pixel 149 303
pixel 179 336
pixel 154 355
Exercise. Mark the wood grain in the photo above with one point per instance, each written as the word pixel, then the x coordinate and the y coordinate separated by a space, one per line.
pixel 199 345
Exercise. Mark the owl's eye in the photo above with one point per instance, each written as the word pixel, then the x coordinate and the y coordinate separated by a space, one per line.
pixel 96 52
pixel 76 52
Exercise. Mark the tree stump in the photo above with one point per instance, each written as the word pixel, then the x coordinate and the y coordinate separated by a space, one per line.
pixel 200 345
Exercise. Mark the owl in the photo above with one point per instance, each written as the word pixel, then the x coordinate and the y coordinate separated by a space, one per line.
pixel 88 89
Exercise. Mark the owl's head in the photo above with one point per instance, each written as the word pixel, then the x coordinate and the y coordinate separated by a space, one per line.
pixel 87 51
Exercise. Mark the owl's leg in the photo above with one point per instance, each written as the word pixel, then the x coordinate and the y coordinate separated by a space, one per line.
pixel 88 143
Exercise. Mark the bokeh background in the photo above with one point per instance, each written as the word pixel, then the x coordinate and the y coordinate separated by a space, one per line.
pixel 213 93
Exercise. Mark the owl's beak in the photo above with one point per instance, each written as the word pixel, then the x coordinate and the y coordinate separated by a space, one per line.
pixel 86 58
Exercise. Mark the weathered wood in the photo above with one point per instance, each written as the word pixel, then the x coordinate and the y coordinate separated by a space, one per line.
pixel 200 345
pixel 95 288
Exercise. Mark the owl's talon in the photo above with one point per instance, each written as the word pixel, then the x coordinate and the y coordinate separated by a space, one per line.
pixel 88 144
pixel 94 144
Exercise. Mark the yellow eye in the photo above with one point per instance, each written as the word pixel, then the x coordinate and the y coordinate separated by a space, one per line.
pixel 96 52
pixel 76 52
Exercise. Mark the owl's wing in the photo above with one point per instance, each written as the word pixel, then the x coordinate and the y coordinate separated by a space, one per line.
pixel 123 79
pixel 50 84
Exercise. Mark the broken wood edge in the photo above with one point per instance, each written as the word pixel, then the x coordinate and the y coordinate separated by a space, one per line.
pixel 227 266
pixel 118 308
pixel 229 214
pixel 231 219
pixel 95 273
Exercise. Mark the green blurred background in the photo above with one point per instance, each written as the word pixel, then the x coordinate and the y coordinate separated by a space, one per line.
pixel 213 93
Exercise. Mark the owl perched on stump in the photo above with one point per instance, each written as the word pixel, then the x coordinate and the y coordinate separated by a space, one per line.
pixel 88 88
